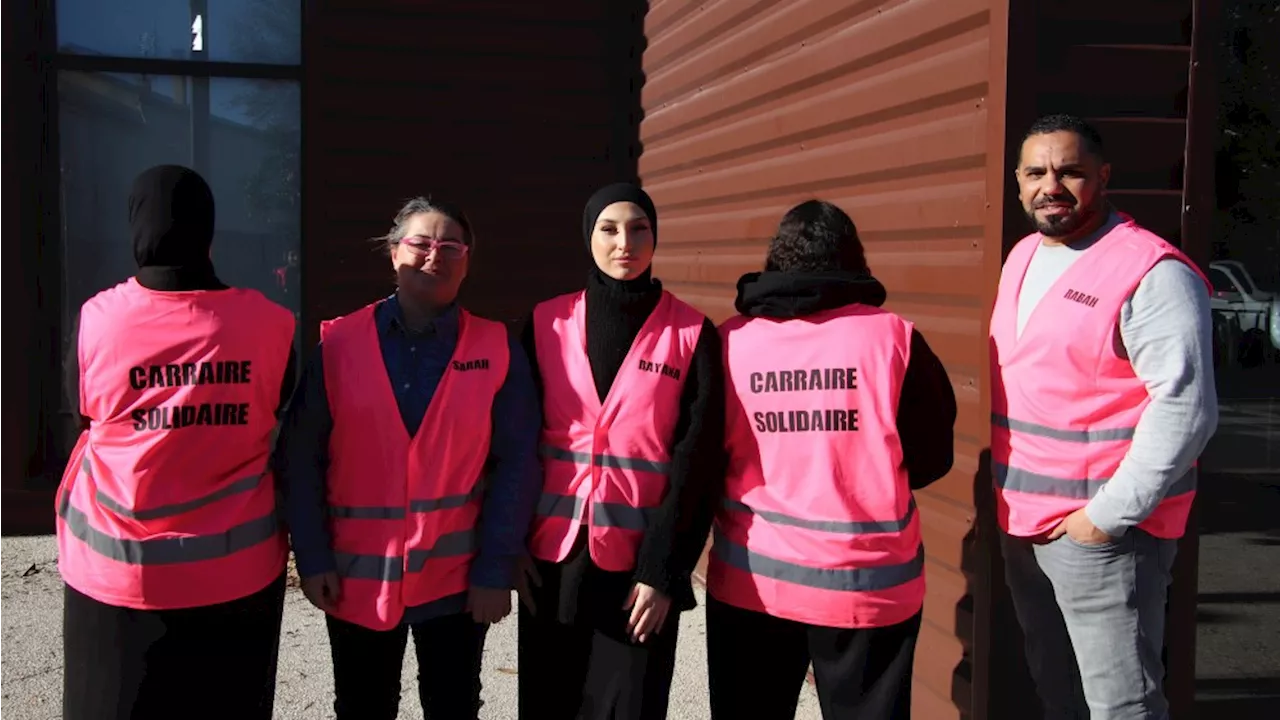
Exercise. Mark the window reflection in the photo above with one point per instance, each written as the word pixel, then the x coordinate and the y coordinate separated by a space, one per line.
pixel 242 135
pixel 245 31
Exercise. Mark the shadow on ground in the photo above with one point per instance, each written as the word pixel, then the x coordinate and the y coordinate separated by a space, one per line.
pixel 1238 611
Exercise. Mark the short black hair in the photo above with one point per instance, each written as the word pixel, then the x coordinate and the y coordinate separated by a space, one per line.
pixel 816 236
pixel 1062 122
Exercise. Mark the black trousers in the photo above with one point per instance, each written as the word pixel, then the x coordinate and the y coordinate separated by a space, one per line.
pixel 756 666
pixel 208 662
pixel 367 665
pixel 580 672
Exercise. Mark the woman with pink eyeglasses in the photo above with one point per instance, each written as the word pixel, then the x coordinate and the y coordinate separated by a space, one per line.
pixel 412 420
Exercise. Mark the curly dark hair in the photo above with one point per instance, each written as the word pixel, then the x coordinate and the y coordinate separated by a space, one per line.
pixel 816 236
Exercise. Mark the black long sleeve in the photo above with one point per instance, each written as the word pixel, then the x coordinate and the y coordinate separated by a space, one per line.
pixel 300 460
pixel 71 374
pixel 531 350
pixel 926 416
pixel 678 528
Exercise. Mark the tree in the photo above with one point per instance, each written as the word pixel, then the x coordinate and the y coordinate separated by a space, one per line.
pixel 1248 153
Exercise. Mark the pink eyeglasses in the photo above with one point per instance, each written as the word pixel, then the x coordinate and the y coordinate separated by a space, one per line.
pixel 444 248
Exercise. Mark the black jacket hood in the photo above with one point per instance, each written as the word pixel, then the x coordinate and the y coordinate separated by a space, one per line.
pixel 790 295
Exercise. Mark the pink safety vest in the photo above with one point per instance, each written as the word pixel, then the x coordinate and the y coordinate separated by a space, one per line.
pixel 403 509
pixel 1064 405
pixel 819 524
pixel 166 501
pixel 605 464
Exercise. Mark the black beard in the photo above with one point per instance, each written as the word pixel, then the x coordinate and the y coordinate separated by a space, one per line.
pixel 1059 226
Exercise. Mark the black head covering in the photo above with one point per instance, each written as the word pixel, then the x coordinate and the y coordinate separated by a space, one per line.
pixel 616 309
pixel 615 193
pixel 171 216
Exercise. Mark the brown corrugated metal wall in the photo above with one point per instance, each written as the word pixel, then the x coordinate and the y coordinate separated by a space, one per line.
pixel 514 110
pixel 885 108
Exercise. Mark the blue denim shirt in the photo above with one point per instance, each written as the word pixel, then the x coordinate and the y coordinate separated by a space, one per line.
pixel 415 363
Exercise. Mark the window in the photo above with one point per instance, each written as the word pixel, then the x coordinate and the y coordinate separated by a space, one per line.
pixel 1242 274
pixel 237 31
pixel 214 86
pixel 1221 281
pixel 113 126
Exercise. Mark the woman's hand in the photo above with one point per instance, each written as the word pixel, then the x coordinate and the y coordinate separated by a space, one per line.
pixel 488 605
pixel 323 590
pixel 649 609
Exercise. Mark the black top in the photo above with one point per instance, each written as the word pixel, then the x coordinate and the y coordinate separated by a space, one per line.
pixel 927 404
pixel 580 590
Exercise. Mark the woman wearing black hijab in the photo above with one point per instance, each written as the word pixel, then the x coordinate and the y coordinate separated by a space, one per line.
pixel 168 540
pixel 632 442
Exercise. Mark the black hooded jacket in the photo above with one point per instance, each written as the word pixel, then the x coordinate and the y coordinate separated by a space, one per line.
pixel 171 221
pixel 927 405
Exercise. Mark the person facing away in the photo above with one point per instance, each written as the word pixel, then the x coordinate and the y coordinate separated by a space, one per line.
pixel 632 432
pixel 1102 399
pixel 409 467
pixel 168 541
pixel 836 411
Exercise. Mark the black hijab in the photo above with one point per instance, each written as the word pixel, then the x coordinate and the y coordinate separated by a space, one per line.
pixel 616 193
pixel 171 217
pixel 616 309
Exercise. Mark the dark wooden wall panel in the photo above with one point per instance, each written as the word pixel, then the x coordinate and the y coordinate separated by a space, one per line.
pixel 516 111
pixel 31 367
pixel 12 393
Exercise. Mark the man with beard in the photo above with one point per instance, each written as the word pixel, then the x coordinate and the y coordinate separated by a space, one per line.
pixel 1102 399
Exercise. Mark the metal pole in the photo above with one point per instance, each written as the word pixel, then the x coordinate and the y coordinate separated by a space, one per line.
pixel 200 89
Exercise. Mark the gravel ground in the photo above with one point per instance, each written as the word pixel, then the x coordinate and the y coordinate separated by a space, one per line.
pixel 31 658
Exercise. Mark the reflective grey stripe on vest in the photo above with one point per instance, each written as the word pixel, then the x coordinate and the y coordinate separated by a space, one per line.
pixel 451 544
pixel 866 579
pixel 616 515
pixel 370 567
pixel 608 461
pixel 559 506
pixel 1025 481
pixel 391 568
pixel 831 526
pixel 240 486
pixel 162 551
pixel 1079 436
pixel 387 512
